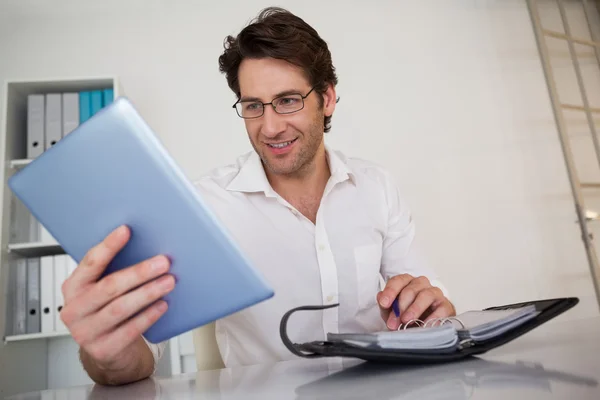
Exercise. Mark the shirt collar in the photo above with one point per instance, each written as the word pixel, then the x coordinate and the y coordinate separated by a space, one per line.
pixel 251 177
pixel 338 165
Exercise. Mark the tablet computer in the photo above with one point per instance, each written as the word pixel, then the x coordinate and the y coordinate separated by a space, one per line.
pixel 112 170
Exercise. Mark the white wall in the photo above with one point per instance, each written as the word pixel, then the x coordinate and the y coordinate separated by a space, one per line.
pixel 449 95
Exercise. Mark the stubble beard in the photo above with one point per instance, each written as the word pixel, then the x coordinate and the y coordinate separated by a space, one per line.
pixel 303 156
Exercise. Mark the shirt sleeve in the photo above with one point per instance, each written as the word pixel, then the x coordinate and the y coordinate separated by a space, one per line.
pixel 401 253
pixel 157 350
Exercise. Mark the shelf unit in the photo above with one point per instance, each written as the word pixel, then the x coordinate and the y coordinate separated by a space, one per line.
pixel 19 163
pixel 35 249
pixel 34 336
pixel 48 360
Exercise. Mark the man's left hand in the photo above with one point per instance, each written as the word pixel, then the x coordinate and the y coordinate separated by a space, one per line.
pixel 418 299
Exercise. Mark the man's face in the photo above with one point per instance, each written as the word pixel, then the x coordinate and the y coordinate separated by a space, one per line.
pixel 285 143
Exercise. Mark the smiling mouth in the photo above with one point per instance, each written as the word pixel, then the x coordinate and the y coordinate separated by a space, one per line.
pixel 281 145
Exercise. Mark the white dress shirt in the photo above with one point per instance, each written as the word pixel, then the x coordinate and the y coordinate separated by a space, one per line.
pixel 363 234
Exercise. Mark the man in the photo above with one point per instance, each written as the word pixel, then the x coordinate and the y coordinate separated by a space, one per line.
pixel 321 227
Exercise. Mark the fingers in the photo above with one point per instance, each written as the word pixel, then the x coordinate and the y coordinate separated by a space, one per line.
pixel 392 289
pixel 95 261
pixel 405 286
pixel 384 312
pixel 423 300
pixel 108 347
pixel 386 297
pixel 113 286
pixel 121 309
pixel 392 322
pixel 409 295
pixel 441 309
pixel 417 299
pixel 106 316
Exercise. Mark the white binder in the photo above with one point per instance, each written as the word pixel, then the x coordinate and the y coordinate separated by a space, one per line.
pixel 33 295
pixel 70 112
pixel 20 315
pixel 60 274
pixel 53 119
pixel 11 298
pixel 71 265
pixel 47 293
pixel 53 133
pixel 35 125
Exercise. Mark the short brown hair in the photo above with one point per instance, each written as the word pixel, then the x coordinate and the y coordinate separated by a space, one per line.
pixel 277 33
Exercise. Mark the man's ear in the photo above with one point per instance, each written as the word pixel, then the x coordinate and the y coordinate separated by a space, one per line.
pixel 329 100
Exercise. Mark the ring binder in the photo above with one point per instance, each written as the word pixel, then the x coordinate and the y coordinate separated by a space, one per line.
pixel 442 321
pixel 426 324
pixel 441 343
pixel 418 322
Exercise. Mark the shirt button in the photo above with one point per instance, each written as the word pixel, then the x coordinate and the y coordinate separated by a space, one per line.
pixel 321 247
pixel 329 298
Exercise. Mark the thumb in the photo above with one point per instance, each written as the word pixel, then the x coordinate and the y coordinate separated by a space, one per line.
pixel 384 311
pixel 95 261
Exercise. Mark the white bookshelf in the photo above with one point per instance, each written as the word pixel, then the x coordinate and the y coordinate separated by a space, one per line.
pixel 35 336
pixel 35 249
pixel 37 356
pixel 47 360
pixel 15 164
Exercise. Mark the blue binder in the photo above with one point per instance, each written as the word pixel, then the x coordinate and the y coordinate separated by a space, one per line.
pixel 85 106
pixel 107 97
pixel 96 101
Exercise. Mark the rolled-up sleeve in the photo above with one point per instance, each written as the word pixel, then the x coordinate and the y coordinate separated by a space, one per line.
pixel 157 350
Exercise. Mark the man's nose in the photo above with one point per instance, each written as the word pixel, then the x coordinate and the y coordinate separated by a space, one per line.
pixel 273 123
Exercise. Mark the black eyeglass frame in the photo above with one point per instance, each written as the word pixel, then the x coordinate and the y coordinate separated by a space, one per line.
pixel 272 105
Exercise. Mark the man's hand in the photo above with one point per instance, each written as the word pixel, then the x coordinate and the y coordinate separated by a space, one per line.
pixel 417 300
pixel 107 316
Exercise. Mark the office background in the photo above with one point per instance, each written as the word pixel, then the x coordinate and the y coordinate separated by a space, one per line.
pixel 449 95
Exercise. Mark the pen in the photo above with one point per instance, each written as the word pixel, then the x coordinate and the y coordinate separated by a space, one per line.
pixel 396 308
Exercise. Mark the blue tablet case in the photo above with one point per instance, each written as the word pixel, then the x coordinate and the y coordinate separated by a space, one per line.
pixel 113 170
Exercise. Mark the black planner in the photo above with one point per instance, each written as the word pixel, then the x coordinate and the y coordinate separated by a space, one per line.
pixel 443 340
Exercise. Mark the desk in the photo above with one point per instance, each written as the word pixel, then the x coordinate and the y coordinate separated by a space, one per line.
pixel 554 361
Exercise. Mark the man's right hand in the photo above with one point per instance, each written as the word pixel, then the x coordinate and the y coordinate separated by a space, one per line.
pixel 98 312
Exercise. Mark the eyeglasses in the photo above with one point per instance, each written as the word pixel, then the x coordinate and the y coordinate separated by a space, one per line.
pixel 286 104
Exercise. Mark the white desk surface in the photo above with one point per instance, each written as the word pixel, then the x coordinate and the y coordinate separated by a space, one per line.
pixel 554 361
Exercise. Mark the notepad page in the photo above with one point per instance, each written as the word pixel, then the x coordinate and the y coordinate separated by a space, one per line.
pixel 490 318
pixel 440 337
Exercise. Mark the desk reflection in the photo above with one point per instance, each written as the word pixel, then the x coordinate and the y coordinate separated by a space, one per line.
pixel 450 381
pixel 320 379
